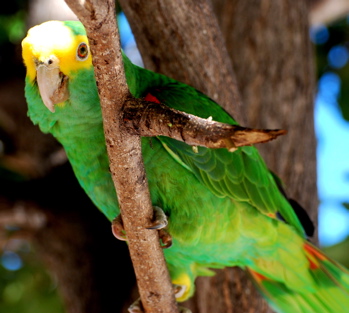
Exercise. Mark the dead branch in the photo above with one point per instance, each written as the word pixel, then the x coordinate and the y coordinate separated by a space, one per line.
pixel 151 119
pixel 327 11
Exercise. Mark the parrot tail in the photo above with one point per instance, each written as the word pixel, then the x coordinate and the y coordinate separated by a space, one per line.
pixel 329 294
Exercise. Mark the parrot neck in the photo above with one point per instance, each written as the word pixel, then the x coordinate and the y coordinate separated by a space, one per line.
pixel 88 156
pixel 86 150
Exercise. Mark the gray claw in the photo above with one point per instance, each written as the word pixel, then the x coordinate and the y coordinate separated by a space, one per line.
pixel 136 307
pixel 159 219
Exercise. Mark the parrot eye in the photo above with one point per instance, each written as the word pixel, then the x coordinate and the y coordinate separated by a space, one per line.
pixel 82 52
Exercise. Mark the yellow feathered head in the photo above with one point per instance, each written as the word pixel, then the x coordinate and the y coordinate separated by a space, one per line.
pixel 52 53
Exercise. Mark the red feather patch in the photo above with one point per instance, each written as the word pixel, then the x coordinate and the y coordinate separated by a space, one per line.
pixel 149 97
pixel 313 255
pixel 257 276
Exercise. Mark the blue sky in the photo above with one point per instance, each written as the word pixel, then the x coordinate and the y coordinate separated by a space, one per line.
pixel 332 133
pixel 333 161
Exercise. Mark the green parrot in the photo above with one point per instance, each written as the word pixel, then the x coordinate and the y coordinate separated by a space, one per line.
pixel 224 208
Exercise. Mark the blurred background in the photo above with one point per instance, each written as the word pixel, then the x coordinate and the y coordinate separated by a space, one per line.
pixel 25 285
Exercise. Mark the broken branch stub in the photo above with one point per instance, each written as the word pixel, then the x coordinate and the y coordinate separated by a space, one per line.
pixel 150 119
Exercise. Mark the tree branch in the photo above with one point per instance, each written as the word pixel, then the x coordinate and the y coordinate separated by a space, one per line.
pixel 125 157
pixel 151 119
pixel 327 11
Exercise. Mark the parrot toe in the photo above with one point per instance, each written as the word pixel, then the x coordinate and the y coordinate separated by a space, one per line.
pixel 166 239
pixel 179 290
pixel 136 307
pixel 118 228
pixel 159 219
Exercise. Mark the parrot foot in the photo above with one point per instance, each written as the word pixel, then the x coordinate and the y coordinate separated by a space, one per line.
pixel 159 223
pixel 137 307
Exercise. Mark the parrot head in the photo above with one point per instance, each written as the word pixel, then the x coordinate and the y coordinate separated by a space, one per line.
pixel 53 52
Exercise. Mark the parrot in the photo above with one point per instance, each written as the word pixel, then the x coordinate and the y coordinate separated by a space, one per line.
pixel 224 208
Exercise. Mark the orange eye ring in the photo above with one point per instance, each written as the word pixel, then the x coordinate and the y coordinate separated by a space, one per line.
pixel 82 52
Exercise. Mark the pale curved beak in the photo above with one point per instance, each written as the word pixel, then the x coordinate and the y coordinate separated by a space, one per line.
pixel 51 81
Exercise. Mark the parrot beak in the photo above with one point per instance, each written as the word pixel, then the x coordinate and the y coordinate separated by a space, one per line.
pixel 52 82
